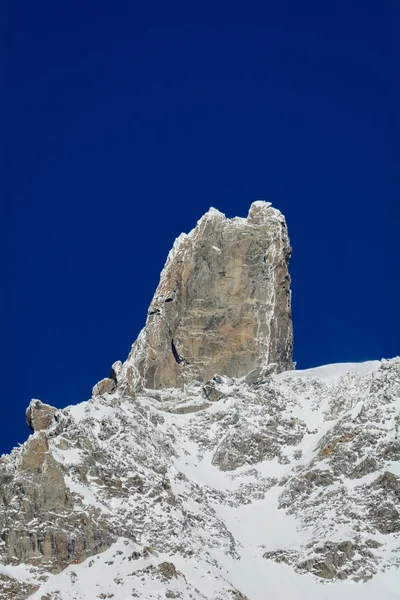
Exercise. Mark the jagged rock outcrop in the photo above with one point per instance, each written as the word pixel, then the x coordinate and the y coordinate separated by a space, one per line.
pixel 39 415
pixel 104 386
pixel 222 305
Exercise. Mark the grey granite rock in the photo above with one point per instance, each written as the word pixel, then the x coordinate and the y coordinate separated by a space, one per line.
pixel 105 386
pixel 39 415
pixel 222 305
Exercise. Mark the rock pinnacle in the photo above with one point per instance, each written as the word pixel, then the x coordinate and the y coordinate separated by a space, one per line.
pixel 222 305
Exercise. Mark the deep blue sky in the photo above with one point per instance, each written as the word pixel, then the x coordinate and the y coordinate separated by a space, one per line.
pixel 125 124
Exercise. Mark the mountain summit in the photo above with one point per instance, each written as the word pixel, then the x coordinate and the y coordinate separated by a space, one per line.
pixel 206 467
pixel 222 306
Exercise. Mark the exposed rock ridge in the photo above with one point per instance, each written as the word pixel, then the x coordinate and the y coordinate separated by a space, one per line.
pixel 222 305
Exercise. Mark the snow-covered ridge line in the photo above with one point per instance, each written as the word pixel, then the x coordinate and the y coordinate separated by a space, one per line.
pixel 336 370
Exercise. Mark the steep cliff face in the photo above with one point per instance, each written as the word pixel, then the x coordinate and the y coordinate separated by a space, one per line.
pixel 222 305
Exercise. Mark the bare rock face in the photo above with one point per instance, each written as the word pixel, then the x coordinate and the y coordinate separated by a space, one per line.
pixel 105 386
pixel 39 416
pixel 222 305
pixel 35 452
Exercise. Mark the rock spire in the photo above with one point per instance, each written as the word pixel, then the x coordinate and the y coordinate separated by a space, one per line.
pixel 222 305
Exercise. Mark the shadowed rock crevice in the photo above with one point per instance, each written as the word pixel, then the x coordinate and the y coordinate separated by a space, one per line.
pixel 175 353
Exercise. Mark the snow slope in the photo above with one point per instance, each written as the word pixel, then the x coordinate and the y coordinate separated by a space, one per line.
pixel 274 491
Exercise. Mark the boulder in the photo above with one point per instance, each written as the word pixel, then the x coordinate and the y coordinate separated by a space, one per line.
pixel 211 391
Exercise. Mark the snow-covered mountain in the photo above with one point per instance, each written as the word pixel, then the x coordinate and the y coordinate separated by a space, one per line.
pixel 286 487
pixel 266 486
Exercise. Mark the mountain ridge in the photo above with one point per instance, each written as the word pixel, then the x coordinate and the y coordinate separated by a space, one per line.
pixel 181 476
pixel 259 484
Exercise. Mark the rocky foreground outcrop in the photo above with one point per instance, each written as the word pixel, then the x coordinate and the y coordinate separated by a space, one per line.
pixel 222 305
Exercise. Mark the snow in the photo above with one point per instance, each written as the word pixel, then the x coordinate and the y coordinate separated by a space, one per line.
pixel 86 494
pixel 79 411
pixel 206 509
pixel 394 467
pixel 262 580
pixel 262 523
pixel 335 370
pixel 72 456
pixel 214 212
pixel 112 573
pixel 21 572
pixel 261 204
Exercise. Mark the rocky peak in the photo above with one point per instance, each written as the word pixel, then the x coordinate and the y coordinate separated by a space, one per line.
pixel 241 481
pixel 39 415
pixel 222 305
